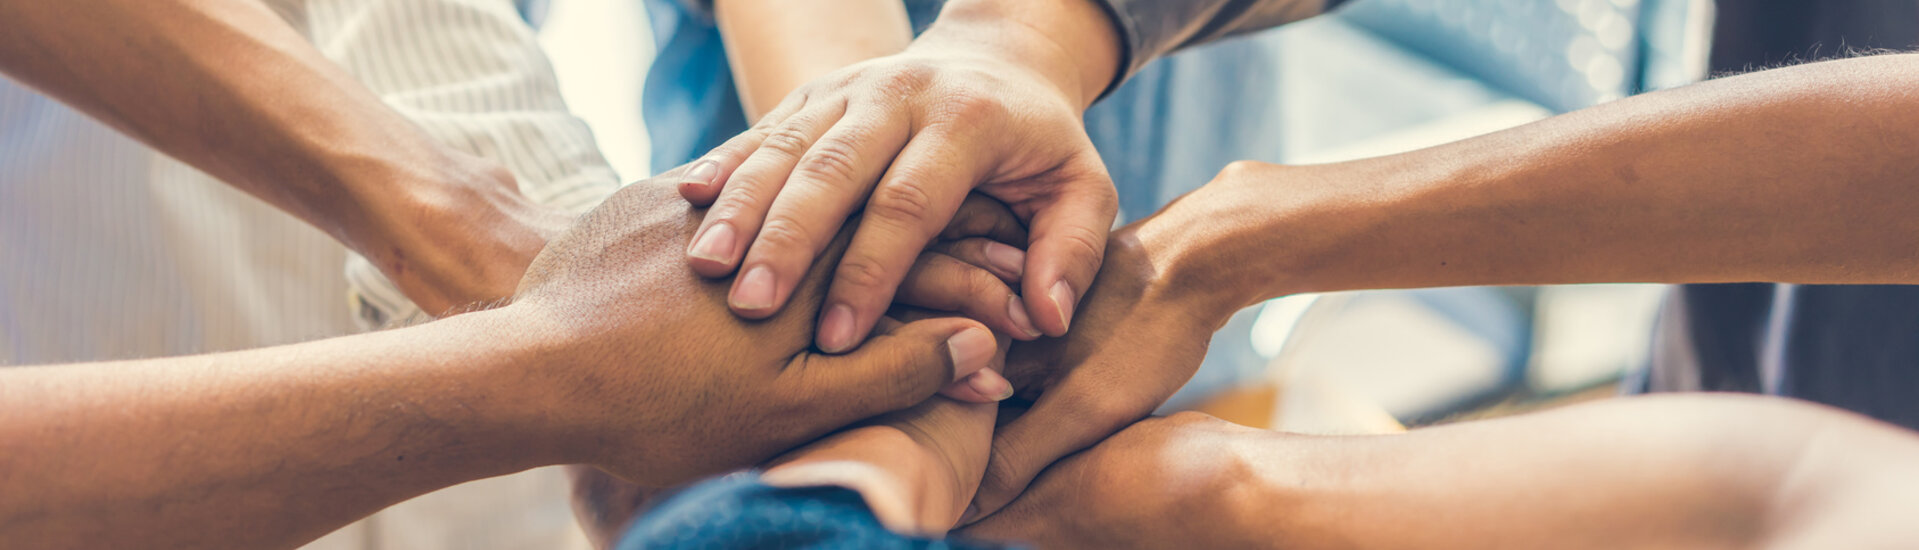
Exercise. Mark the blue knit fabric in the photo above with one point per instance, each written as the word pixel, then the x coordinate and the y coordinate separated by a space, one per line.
pixel 739 511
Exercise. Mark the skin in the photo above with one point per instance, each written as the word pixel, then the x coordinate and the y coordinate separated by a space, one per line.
pixel 777 46
pixel 988 98
pixel 1674 471
pixel 614 354
pixel 916 469
pixel 1802 174
pixel 228 87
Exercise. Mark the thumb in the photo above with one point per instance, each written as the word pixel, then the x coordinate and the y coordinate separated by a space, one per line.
pixel 900 367
pixel 1060 424
pixel 1068 241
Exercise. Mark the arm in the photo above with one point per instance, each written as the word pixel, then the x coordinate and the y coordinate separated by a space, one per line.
pixel 1650 472
pixel 588 365
pixel 229 87
pixel 1804 174
pixel 775 46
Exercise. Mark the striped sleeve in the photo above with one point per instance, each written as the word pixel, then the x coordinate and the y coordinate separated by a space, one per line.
pixel 471 73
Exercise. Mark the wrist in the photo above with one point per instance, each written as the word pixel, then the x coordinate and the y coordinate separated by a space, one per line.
pixel 515 362
pixel 1262 231
pixel 1072 44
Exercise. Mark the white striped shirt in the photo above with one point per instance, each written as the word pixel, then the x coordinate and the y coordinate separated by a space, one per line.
pixel 112 250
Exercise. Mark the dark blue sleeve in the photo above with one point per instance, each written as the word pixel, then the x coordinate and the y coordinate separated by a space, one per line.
pixel 739 511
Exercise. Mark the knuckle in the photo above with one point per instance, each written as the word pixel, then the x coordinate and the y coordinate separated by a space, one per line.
pixel 983 289
pixel 830 160
pixel 911 378
pixel 907 78
pixel 731 205
pixel 789 140
pixel 902 201
pixel 1083 242
pixel 861 272
pixel 784 235
pixel 971 102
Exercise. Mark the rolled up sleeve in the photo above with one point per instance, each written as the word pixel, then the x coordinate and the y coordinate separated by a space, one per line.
pixel 1151 29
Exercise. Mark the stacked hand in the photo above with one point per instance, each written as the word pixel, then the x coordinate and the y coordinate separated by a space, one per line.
pixel 659 384
pixel 906 138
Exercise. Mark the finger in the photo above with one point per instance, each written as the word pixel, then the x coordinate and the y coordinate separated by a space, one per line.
pixel 912 203
pixel 1068 243
pixel 945 283
pixel 750 189
pixel 985 386
pixel 1004 261
pixel 894 371
pixel 1066 420
pixel 830 180
pixel 984 216
pixel 706 176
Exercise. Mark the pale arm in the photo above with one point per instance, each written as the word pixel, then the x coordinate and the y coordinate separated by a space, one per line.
pixel 1804 174
pixel 777 45
pixel 230 88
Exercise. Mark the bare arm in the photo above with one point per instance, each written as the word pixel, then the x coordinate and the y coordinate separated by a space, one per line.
pixel 613 355
pixel 261 448
pixel 1650 472
pixel 230 88
pixel 1804 174
pixel 775 45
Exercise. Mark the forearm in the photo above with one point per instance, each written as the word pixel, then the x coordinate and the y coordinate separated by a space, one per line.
pixel 1804 174
pixel 1671 472
pixel 261 448
pixel 775 46
pixel 229 87
pixel 1071 43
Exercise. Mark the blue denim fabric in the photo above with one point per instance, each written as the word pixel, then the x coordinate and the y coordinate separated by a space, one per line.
pixel 739 511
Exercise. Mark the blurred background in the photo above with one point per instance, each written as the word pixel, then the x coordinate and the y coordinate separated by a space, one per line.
pixel 1378 77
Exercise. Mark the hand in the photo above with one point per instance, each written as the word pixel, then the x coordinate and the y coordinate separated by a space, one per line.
pixel 1142 334
pixel 917 469
pixel 462 239
pixel 906 138
pixel 657 383
pixel 1160 483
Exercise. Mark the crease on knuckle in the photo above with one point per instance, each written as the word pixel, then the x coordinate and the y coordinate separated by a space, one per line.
pixel 788 140
pixel 830 161
pixel 861 272
pixel 1083 243
pixel 910 382
pixel 784 235
pixel 907 78
pixel 730 205
pixel 904 202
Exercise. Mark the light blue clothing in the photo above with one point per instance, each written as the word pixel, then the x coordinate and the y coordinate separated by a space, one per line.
pixel 1165 132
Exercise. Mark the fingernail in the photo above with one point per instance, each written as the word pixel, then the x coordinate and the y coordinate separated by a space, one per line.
pixel 1010 261
pixel 702 173
pixel 715 245
pixel 756 289
pixel 1016 309
pixel 836 330
pixel 971 348
pixel 1062 296
pixel 990 384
